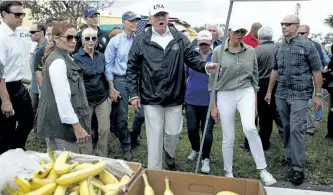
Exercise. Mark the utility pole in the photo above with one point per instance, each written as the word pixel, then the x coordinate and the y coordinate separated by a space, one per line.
pixel 298 8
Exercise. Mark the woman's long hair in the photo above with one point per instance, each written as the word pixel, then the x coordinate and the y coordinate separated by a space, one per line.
pixel 58 29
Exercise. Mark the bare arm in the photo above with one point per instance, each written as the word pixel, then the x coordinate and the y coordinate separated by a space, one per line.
pixel 3 91
pixel 39 78
pixel 317 77
pixel 272 81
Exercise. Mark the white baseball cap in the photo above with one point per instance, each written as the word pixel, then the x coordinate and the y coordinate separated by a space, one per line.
pixel 157 8
pixel 205 36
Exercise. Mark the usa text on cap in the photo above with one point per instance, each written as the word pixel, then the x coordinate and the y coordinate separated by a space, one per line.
pixel 158 8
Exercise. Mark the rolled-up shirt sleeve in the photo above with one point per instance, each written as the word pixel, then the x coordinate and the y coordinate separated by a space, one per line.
pixel 62 91
pixel 255 74
pixel 211 76
pixel 110 56
pixel 1 70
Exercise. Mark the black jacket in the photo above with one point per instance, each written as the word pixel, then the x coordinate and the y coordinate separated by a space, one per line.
pixel 156 75
pixel 103 40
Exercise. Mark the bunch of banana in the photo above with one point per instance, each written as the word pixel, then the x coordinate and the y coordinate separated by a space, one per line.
pixel 60 177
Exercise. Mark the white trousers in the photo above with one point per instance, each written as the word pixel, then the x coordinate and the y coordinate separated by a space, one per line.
pixel 242 100
pixel 157 119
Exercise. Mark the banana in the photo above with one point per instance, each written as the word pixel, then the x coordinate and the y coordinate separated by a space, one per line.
pixel 13 192
pixel 226 193
pixel 91 188
pixel 167 187
pixel 60 165
pixel 51 155
pixel 45 190
pixel 82 166
pixel 43 170
pixel 22 184
pixel 107 178
pixel 76 189
pixel 74 193
pixel 148 189
pixel 60 190
pixel 98 181
pixel 36 182
pixel 125 179
pixel 99 192
pixel 82 174
pixel 107 188
pixel 84 188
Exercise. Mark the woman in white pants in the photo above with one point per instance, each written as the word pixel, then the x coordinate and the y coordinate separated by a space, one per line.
pixel 236 90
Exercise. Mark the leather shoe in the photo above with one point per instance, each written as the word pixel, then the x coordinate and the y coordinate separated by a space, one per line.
pixel 128 155
pixel 169 161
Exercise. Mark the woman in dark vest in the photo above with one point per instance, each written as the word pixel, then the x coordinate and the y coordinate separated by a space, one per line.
pixel 63 118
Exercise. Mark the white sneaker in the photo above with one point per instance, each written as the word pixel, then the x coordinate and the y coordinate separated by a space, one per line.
pixel 229 175
pixel 267 178
pixel 205 166
pixel 193 155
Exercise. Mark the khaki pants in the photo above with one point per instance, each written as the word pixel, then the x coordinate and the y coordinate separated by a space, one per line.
pixel 157 119
pixel 62 145
pixel 103 118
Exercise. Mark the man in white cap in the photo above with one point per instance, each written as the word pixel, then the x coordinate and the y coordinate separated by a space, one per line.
pixel 155 77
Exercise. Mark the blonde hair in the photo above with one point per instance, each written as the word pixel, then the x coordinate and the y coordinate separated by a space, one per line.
pixel 89 31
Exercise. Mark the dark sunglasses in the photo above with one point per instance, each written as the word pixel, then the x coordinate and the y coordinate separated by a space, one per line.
pixel 203 45
pixel 240 32
pixel 90 38
pixel 287 24
pixel 302 33
pixel 17 15
pixel 33 31
pixel 71 37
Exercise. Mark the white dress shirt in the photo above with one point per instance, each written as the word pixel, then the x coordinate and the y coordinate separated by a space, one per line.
pixel 10 53
pixel 62 91
pixel 162 40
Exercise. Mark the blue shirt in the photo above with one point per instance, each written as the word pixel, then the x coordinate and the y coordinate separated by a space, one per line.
pixel 93 75
pixel 197 86
pixel 116 55
pixel 326 58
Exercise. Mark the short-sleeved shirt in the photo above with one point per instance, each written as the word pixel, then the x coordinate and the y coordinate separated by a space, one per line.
pixel 295 60
pixel 197 86
pixel 36 64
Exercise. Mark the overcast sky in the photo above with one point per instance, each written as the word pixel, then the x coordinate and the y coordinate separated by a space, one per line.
pixel 199 12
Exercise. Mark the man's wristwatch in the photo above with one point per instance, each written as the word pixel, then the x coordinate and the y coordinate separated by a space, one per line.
pixel 318 94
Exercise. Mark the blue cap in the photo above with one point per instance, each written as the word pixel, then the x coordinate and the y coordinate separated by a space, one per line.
pixel 130 16
pixel 89 11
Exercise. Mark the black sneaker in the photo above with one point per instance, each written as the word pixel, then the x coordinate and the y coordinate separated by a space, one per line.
pixel 128 155
pixel 169 161
pixel 286 162
pixel 297 177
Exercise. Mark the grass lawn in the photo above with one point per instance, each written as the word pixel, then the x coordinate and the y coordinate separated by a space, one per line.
pixel 319 154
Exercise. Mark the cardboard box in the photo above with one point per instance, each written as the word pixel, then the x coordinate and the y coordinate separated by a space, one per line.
pixel 137 168
pixel 182 183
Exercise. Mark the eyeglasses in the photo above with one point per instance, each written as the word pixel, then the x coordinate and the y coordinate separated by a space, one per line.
pixel 17 15
pixel 203 45
pixel 302 33
pixel 287 24
pixel 33 31
pixel 240 32
pixel 90 38
pixel 71 37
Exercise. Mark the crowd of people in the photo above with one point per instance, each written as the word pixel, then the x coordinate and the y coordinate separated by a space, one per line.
pixel 78 76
